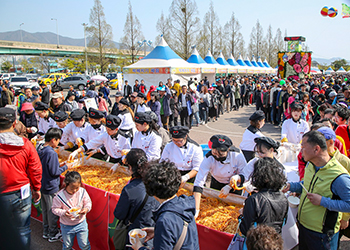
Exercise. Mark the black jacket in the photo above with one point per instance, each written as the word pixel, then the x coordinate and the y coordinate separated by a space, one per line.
pixel 127 90
pixel 130 200
pixel 45 96
pixel 265 207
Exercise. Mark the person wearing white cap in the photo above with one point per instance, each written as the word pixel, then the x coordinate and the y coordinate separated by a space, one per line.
pixel 58 104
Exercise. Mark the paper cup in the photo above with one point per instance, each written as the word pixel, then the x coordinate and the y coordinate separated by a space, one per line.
pixel 293 201
pixel 137 233
pixel 75 211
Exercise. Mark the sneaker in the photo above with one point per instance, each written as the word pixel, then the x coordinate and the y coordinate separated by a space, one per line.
pixel 46 236
pixel 55 238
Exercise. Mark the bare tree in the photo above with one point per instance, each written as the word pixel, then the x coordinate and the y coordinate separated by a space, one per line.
pixel 285 44
pixel 203 41
pixel 234 36
pixel 271 54
pixel 132 34
pixel 256 43
pixel 184 26
pixel 164 28
pixel 279 41
pixel 100 34
pixel 212 29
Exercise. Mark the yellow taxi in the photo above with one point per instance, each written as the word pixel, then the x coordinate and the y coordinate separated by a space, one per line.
pixel 51 78
pixel 113 83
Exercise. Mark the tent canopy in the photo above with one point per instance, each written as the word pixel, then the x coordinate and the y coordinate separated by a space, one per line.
pixel 341 70
pixel 221 60
pixel 231 60
pixel 247 62
pixel 209 58
pixel 241 62
pixel 195 57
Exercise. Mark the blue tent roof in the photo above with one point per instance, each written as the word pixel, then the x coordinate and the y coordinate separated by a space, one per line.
pixel 162 51
pixel 195 58
pixel 266 64
pixel 329 69
pixel 231 60
pixel 209 58
pixel 240 61
pixel 221 59
pixel 259 62
pixel 248 63
pixel 254 62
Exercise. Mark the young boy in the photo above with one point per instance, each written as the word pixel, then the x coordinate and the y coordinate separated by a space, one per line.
pixel 50 181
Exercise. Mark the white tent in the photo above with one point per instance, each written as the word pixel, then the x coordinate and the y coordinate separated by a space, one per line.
pixel 220 69
pixel 207 70
pixel 329 71
pixel 341 70
pixel 230 68
pixel 240 69
pixel 159 65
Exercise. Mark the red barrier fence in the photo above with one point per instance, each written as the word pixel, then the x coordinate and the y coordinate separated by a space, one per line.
pixel 101 222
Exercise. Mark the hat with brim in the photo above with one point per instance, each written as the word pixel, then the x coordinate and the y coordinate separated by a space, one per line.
pixel 27 106
pixel 220 142
pixel 57 95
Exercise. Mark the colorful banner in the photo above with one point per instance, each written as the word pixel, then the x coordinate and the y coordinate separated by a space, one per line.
pixel 221 71
pixel 185 70
pixel 242 71
pixel 101 222
pixel 208 70
pixel 345 11
pixel 147 71
pixel 232 70
pixel 295 65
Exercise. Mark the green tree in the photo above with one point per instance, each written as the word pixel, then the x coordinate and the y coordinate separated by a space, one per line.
pixel 337 64
pixel 100 34
pixel 132 34
pixel 5 66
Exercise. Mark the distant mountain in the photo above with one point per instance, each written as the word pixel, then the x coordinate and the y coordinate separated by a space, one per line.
pixel 44 37
pixel 327 61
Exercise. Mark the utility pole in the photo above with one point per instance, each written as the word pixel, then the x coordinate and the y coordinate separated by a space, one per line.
pixel 58 40
pixel 20 28
pixel 86 61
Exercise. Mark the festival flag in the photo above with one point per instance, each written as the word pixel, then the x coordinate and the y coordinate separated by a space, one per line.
pixel 345 11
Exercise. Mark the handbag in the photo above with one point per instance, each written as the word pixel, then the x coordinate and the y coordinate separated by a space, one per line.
pixel 238 241
pixel 121 230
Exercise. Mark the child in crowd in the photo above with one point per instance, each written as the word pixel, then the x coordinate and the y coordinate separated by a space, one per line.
pixel 50 181
pixel 73 222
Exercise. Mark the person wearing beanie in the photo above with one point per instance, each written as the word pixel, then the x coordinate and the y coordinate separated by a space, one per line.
pixel 45 120
pixel 257 121
pixel 114 141
pixel 184 152
pixel 226 165
pixel 126 116
pixel 28 118
pixel 146 136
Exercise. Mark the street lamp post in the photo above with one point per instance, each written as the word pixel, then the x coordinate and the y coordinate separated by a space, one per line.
pixel 58 40
pixel 20 28
pixel 86 61
pixel 145 43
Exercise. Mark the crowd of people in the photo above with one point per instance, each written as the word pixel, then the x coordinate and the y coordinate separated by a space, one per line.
pixel 152 127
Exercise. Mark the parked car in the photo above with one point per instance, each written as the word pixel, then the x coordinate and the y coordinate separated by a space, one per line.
pixel 51 78
pixel 32 77
pixel 18 81
pixel 111 76
pixel 78 81
pixel 7 76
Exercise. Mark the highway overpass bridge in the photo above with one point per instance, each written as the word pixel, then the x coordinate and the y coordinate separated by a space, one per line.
pixel 42 49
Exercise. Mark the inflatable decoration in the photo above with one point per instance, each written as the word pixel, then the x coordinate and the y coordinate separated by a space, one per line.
pixel 332 12
pixel 324 11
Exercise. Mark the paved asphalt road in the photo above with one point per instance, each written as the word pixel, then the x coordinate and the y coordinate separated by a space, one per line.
pixel 232 124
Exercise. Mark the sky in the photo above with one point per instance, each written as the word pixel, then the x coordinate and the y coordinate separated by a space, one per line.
pixel 326 37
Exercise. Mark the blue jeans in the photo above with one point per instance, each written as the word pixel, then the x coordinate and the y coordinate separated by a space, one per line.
pixel 311 240
pixel 80 230
pixel 19 211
